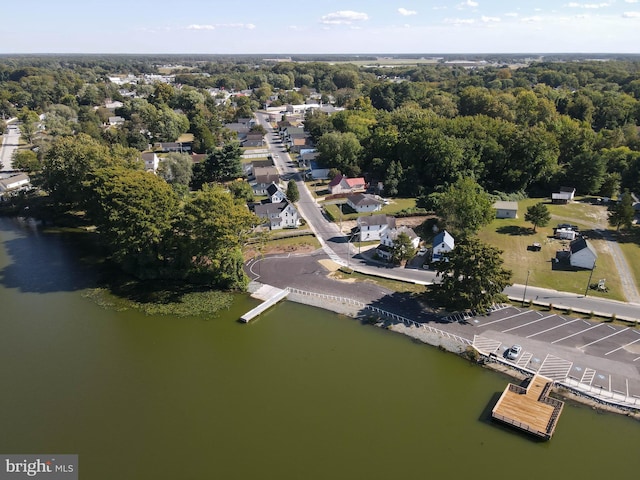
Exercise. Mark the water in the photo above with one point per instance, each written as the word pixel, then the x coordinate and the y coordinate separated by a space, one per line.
pixel 299 394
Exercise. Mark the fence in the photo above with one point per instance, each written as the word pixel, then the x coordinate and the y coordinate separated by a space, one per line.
pixel 398 318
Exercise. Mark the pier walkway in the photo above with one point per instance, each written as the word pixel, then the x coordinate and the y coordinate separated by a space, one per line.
pixel 270 296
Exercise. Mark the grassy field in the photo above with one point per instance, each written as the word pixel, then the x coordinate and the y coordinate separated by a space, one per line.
pixel 513 236
pixel 630 244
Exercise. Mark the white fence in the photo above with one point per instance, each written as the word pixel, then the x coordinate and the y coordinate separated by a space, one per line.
pixel 398 318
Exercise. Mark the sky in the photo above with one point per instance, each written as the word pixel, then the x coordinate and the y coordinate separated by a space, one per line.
pixel 325 26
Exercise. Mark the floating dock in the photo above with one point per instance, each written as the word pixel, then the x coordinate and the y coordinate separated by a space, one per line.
pixel 270 296
pixel 529 409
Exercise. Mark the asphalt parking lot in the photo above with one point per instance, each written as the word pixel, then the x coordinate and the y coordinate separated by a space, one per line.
pixel 603 356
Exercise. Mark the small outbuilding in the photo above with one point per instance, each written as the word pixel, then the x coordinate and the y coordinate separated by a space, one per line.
pixel 582 254
pixel 506 209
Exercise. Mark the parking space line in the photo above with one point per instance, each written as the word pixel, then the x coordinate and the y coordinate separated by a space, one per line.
pixel 638 358
pixel 623 346
pixel 577 333
pixel 524 359
pixel 505 318
pixel 528 323
pixel 552 328
pixel 603 338
pixel 588 376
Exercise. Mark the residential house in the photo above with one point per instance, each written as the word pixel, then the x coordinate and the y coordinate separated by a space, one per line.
pixel 297 143
pixel 565 195
pixel 362 203
pixel 389 237
pixel 167 147
pixel 14 182
pixel 253 140
pixel 116 121
pixel 278 215
pixel 241 129
pixel 342 184
pixel 506 209
pixel 275 193
pixel 371 228
pixel 443 242
pixel 317 172
pixel 151 161
pixel 582 254
pixel 264 176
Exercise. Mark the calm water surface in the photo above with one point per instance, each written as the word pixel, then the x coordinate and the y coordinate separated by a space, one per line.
pixel 300 394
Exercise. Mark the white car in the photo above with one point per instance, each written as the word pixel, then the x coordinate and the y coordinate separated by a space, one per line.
pixel 422 251
pixel 513 352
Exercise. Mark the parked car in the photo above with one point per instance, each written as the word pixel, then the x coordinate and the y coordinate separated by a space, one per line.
pixel 513 352
pixel 422 251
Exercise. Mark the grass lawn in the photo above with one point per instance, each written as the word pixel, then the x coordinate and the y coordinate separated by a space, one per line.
pixel 630 244
pixel 396 205
pixel 394 285
pixel 513 236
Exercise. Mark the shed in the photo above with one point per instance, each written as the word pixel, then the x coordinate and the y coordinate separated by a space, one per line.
pixel 582 254
pixel 506 209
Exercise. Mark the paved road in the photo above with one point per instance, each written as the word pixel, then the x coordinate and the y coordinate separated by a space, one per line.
pixel 10 142
pixel 336 246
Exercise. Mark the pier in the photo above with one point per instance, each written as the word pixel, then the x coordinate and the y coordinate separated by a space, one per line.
pixel 270 296
pixel 529 409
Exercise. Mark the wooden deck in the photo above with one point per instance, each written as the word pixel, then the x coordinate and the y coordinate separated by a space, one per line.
pixel 530 409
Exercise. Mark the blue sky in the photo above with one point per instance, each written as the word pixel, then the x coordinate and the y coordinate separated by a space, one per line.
pixel 328 26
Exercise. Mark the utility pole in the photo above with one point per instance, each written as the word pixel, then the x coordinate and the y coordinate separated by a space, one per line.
pixel 586 290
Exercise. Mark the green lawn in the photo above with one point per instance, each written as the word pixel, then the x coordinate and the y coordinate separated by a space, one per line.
pixel 513 236
pixel 396 206
pixel 630 244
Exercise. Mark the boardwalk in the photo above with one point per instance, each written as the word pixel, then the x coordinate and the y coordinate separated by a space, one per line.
pixel 530 409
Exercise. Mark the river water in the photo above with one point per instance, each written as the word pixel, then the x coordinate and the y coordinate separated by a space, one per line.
pixel 299 394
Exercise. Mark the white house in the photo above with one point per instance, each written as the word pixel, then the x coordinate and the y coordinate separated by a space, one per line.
pixel 264 176
pixel 582 254
pixel 506 209
pixel 565 195
pixel 278 215
pixel 389 237
pixel 14 182
pixel 363 203
pixel 276 195
pixel 372 227
pixel 342 184
pixel 442 243
pixel 151 161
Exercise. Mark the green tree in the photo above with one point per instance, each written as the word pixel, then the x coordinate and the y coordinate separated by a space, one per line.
pixel 464 207
pixel 621 213
pixel 293 195
pixel 538 214
pixel 221 165
pixel 212 230
pixel 472 275
pixel 176 169
pixel 341 151
pixel 26 160
pixel 402 249
pixel 134 212
pixel 28 123
pixel 241 191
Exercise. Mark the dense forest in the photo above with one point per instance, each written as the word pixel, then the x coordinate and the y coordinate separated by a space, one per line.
pixel 515 128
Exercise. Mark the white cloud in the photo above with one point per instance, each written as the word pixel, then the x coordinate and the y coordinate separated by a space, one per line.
pixel 343 17
pixel 631 14
pixel 631 1
pixel 588 5
pixel 201 27
pixel 404 12
pixel 471 3
pixel 489 19
pixel 533 19
pixel 511 14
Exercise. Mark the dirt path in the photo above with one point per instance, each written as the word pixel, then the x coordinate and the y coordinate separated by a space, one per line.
pixel 627 280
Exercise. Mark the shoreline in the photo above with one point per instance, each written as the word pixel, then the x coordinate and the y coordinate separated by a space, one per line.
pixel 456 347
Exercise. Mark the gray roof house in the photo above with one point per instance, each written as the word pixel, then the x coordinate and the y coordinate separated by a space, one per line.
pixel 372 227
pixel 361 203
pixel 506 209
pixel 443 242
pixel 278 215
pixel 582 254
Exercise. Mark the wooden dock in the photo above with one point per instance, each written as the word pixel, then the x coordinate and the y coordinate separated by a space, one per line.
pixel 529 409
pixel 270 296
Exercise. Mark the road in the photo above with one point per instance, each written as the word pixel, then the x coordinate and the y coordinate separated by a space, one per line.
pixel 336 246
pixel 10 142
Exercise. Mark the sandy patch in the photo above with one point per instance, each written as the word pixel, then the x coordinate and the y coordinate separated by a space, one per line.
pixel 330 265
